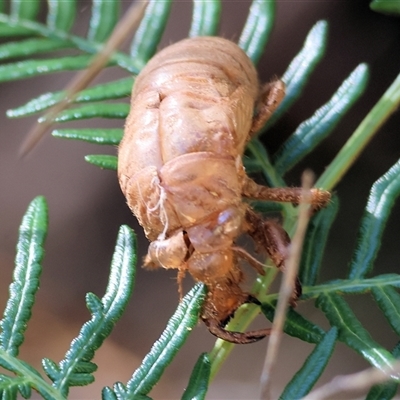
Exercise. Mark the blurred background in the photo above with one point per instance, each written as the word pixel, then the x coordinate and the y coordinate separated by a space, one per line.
pixel 87 207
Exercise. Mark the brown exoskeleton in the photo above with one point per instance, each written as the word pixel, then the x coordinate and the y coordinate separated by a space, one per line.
pixel 193 109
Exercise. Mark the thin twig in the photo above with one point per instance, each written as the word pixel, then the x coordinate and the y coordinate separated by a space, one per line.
pixel 287 286
pixel 345 384
pixel 82 79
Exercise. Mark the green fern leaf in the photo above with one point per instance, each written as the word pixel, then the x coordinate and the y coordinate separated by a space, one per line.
pixel 28 47
pixel 312 131
pixel 382 196
pixel 388 300
pixel 108 394
pixel 352 332
pixel 385 391
pixel 61 14
pixel 295 324
pixel 304 379
pixel 21 9
pixel 102 110
pixel 103 161
pixel 349 286
pixel 51 369
pixel 76 368
pixel 98 136
pixel 30 68
pixel 166 347
pixel 257 28
pixel 105 91
pixel 32 234
pixel 315 241
pixel 26 376
pixel 150 30
pixel 300 69
pixel 105 15
pixel 205 18
pixel 386 7
pixel 198 382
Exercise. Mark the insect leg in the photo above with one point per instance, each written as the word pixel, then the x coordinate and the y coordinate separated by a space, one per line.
pixel 271 95
pixel 235 337
pixel 271 236
pixel 250 189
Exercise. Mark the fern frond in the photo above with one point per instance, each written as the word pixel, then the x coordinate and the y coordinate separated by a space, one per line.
pixel 295 324
pixel 257 28
pixel 304 379
pixel 300 69
pixel 312 131
pixel 105 14
pixel 76 369
pixel 165 348
pixel 388 300
pixel 205 18
pixel 315 241
pixel 106 91
pixel 98 136
pixel 352 332
pixel 385 391
pixel 381 199
pixel 103 161
pixel 150 30
pixel 32 234
pixel 198 382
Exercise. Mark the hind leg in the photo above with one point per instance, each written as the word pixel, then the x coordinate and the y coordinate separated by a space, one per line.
pixel 271 237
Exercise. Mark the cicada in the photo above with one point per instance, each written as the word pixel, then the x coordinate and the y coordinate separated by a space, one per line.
pixel 193 109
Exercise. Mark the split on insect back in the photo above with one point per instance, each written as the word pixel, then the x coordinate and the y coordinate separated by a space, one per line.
pixel 193 109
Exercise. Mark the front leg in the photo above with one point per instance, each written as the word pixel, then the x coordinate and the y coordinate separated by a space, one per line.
pixel 271 95
pixel 252 190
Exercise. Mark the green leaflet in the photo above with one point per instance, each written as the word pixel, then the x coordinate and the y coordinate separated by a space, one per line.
pixel 312 131
pixel 382 110
pixel 386 7
pixel 61 14
pixel 30 46
pixel 385 391
pixel 164 349
pixel 388 300
pixel 105 15
pixel 77 368
pixel 308 374
pixel 30 68
pixel 198 382
pixel 10 27
pixel 295 324
pixel 26 376
pixel 103 161
pixel 104 91
pixel 257 28
pixel 352 332
pixel 350 286
pixel 315 241
pixel 32 234
pixel 300 69
pixel 98 136
pixel 103 110
pixel 21 9
pixel 261 157
pixel 383 194
pixel 150 30
pixel 205 18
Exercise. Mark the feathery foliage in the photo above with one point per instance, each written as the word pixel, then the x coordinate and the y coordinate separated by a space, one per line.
pixel 26 38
